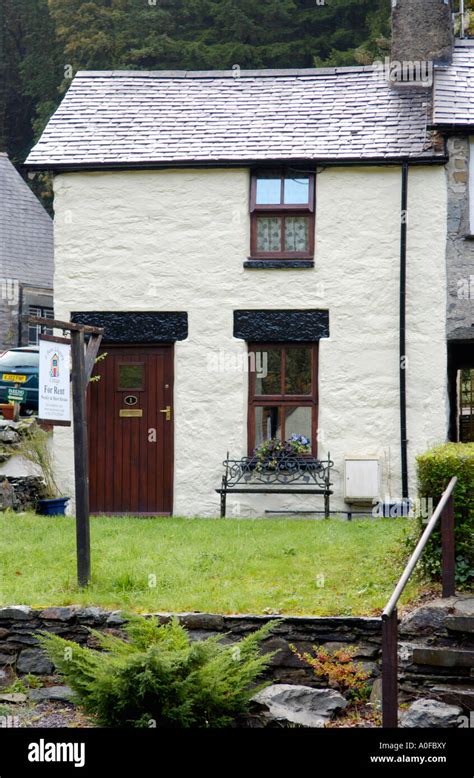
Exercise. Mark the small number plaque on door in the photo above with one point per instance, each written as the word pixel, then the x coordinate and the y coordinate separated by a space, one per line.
pixel 130 412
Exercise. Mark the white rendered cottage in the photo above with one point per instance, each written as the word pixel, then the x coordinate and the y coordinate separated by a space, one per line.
pixel 200 216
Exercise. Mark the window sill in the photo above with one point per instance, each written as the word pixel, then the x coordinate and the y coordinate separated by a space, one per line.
pixel 275 264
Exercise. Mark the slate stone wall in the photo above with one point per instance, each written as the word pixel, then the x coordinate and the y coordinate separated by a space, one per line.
pixel 20 493
pixel 460 245
pixel 20 488
pixel 19 624
pixel 435 643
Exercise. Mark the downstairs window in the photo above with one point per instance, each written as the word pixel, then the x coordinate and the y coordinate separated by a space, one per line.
pixel 283 396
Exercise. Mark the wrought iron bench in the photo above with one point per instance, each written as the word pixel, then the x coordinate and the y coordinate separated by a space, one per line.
pixel 249 476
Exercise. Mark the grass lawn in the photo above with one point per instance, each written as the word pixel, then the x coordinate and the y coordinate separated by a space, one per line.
pixel 329 567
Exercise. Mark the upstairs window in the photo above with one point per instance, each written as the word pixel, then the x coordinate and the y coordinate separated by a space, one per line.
pixel 282 215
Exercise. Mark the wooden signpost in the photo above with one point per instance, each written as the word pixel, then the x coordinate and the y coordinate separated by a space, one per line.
pixel 82 360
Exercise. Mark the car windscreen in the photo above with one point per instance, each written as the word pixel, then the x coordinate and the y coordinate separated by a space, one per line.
pixel 19 359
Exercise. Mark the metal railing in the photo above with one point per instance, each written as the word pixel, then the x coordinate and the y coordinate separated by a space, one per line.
pixel 445 510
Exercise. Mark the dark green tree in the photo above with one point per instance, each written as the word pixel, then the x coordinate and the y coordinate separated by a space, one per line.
pixel 44 42
pixel 215 34
pixel 30 74
pixel 30 63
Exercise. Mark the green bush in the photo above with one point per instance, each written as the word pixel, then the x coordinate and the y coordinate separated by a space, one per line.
pixel 159 677
pixel 435 469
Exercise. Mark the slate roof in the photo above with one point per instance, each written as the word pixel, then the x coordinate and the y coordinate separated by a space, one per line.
pixel 128 118
pixel 26 231
pixel 453 103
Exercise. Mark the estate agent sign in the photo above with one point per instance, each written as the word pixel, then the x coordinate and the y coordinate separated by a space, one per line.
pixel 66 362
pixel 54 380
pixel 16 395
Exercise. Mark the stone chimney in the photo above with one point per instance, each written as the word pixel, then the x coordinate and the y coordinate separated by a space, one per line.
pixel 422 31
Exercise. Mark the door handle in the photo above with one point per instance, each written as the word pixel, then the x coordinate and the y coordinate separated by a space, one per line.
pixel 167 410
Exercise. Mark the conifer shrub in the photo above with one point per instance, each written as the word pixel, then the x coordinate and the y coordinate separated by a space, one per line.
pixel 159 677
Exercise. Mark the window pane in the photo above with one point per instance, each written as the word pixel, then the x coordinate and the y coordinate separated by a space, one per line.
pixel 34 330
pixel 296 191
pixel 269 363
pixel 298 422
pixel 298 371
pixel 131 376
pixel 268 234
pixel 18 359
pixel 268 191
pixel 267 424
pixel 296 233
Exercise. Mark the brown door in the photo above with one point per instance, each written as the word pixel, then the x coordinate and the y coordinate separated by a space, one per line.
pixel 131 431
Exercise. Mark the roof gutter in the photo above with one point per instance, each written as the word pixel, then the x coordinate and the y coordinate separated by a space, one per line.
pixel 327 162
pixel 453 128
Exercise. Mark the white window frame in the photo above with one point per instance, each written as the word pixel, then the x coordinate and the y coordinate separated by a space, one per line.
pixel 41 311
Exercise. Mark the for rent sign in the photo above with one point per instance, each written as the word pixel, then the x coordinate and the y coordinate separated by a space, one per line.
pixel 54 379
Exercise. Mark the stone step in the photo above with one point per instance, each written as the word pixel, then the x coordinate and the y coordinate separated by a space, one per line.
pixel 443 657
pixel 460 624
pixel 440 672
pixel 455 695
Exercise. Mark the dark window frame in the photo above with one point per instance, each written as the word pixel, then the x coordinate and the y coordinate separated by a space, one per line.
pixel 282 211
pixel 284 400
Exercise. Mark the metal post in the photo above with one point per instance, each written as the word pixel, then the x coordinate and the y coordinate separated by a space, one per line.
pixel 390 671
pixel 81 467
pixel 223 496
pixel 448 556
pixel 327 477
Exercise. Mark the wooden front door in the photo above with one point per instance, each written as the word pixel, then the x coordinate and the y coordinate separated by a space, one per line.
pixel 131 431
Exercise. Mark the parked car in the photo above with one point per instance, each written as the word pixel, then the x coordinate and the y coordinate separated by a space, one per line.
pixel 19 367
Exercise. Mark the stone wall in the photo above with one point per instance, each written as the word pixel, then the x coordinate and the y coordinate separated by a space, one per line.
pixel 19 624
pixel 460 248
pixel 20 483
pixel 436 643
pixel 436 651
pixel 20 494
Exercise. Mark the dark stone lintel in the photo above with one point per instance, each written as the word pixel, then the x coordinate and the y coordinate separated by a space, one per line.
pixel 137 326
pixel 278 264
pixel 304 326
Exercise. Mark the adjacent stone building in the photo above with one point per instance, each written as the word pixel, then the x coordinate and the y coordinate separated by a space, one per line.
pixel 26 258
pixel 453 116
